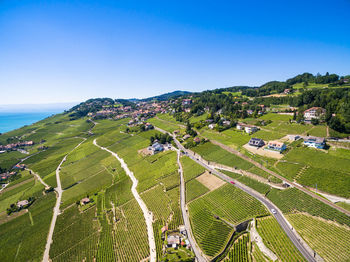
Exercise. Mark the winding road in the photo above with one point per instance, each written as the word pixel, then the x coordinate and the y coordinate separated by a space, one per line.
pixel 298 242
pixel 56 209
pixel 146 213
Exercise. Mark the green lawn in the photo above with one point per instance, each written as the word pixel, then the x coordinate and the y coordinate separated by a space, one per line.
pixel 214 153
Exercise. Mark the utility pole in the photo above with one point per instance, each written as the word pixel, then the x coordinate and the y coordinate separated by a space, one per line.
pixel 316 188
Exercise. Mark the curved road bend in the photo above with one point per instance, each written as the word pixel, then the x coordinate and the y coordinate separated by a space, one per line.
pixel 146 213
pixel 197 251
pixel 237 153
pixel 292 235
pixel 56 209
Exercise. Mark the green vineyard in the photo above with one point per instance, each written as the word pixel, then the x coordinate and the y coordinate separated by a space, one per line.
pixel 239 252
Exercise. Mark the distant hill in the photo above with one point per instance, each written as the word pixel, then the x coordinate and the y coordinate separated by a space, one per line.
pixel 162 97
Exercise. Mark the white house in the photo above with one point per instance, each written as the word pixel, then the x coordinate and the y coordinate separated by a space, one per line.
pixel 314 113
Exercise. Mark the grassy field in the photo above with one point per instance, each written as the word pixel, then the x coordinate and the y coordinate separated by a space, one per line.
pixel 329 240
pixel 20 189
pixel 285 200
pixel 276 240
pixel 165 125
pixel 194 189
pixel 260 187
pixel 289 170
pixel 229 137
pixel 190 168
pixel 10 158
pixel 214 153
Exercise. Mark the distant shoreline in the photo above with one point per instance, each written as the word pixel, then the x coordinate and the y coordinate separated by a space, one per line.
pixel 13 120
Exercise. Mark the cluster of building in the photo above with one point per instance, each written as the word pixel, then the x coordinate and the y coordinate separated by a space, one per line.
pixel 14 146
pixel 278 146
pixel 7 175
pixel 143 110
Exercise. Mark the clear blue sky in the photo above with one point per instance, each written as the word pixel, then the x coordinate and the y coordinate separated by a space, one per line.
pixel 63 51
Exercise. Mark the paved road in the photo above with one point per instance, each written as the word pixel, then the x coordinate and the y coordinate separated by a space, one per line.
pixel 292 235
pixel 197 251
pixel 56 209
pixel 146 213
pixel 327 202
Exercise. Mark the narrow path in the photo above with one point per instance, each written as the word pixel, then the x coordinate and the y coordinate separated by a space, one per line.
pixel 39 178
pixel 146 213
pixel 56 209
pixel 197 251
pixel 258 240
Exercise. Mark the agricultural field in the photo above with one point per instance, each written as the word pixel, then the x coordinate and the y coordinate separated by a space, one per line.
pixel 20 189
pixel 229 137
pixel 256 185
pixel 211 234
pixel 329 170
pixel 24 237
pixel 165 125
pixel 214 153
pixel 276 239
pixel 328 239
pixel 231 204
pixel 285 200
pixel 228 204
pixel 9 159
pixel 240 251
pixel 194 189
pixel 47 161
pixel 75 236
pixel 190 168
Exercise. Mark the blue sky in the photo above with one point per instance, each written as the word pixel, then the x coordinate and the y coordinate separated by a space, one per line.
pixel 64 51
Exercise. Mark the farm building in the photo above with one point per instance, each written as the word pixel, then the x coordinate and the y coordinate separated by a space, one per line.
pixel 187 136
pixel 22 203
pixel 173 240
pixel 249 129
pixel 293 137
pixel 156 147
pixel 85 201
pixel 211 126
pixel 316 142
pixel 314 113
pixel 257 142
pixel 276 146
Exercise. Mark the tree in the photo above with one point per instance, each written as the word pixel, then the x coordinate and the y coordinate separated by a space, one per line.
pixel 315 121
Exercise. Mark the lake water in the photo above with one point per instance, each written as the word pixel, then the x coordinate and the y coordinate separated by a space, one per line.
pixel 11 121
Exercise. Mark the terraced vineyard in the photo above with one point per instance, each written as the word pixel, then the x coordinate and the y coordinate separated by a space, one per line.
pixel 231 204
pixel 226 202
pixel 239 252
pixel 330 240
pixel 211 234
pixel 76 236
pixel 276 240
pixel 24 237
